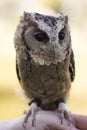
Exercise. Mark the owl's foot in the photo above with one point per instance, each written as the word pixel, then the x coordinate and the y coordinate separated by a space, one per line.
pixel 31 112
pixel 64 113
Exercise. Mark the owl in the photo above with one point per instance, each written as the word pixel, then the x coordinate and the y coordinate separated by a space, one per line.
pixel 44 61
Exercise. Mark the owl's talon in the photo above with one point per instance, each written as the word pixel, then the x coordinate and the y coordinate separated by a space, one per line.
pixel 24 125
pixel 61 117
pixel 64 113
pixel 33 122
pixel 67 115
pixel 31 113
pixel 26 118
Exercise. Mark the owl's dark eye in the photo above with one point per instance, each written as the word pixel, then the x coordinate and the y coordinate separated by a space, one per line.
pixel 41 36
pixel 61 35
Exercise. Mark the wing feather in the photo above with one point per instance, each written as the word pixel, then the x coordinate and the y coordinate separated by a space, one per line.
pixel 72 66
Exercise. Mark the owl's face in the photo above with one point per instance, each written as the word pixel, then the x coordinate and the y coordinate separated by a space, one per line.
pixel 46 37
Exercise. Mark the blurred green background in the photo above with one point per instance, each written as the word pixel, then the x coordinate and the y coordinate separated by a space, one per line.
pixel 12 103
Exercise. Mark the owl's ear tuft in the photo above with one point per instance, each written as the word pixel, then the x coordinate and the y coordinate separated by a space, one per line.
pixel 27 16
pixel 63 17
pixel 60 15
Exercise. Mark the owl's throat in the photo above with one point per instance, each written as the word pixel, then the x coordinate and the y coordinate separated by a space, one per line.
pixel 46 59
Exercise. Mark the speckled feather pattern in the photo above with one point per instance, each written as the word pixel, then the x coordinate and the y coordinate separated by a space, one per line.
pixel 43 68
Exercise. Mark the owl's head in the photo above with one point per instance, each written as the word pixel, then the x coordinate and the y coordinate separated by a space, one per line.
pixel 47 38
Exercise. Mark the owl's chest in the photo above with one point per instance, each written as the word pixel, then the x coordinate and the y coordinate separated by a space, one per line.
pixel 44 81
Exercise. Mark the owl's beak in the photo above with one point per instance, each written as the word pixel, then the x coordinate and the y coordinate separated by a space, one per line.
pixel 52 50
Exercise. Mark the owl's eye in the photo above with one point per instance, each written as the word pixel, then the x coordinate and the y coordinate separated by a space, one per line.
pixel 61 35
pixel 41 36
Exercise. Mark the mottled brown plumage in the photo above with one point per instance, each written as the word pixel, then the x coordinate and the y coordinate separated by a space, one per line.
pixel 44 58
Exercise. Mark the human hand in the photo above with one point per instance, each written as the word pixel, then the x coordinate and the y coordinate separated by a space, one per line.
pixel 80 121
pixel 46 120
pixel 49 120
